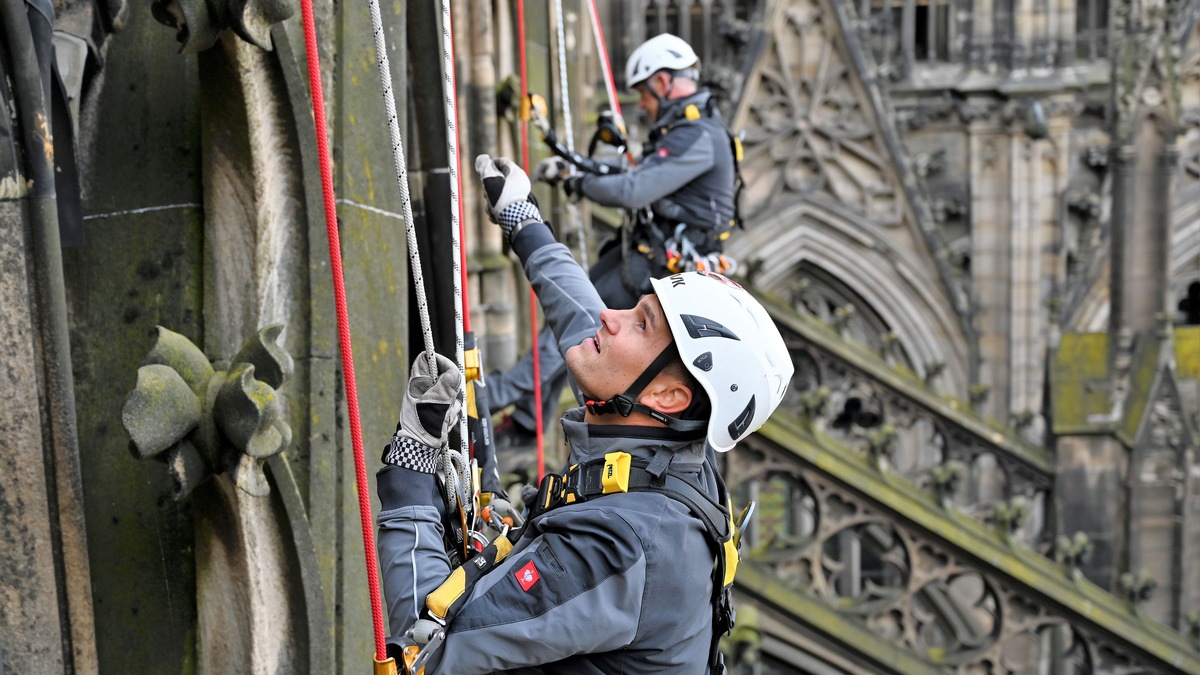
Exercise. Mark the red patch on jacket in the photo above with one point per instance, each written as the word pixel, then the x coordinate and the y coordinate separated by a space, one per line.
pixel 662 152
pixel 527 576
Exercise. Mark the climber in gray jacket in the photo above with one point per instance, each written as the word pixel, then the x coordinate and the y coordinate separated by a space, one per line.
pixel 614 570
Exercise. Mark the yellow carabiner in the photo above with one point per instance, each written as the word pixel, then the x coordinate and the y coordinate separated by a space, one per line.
pixel 387 667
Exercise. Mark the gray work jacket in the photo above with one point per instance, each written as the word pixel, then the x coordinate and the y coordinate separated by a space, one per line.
pixel 616 584
pixel 686 173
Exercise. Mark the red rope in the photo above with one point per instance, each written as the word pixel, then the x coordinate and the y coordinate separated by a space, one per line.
pixel 533 301
pixel 343 322
pixel 606 65
pixel 598 31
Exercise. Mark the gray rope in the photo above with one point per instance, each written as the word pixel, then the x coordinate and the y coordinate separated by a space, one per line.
pixel 414 254
pixel 452 154
pixel 572 209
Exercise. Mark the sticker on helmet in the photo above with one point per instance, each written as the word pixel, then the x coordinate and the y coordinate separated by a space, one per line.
pixel 741 424
pixel 701 327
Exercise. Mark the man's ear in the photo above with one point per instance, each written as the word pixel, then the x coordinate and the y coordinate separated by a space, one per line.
pixel 667 394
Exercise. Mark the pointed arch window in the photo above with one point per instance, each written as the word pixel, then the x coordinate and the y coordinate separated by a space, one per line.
pixel 909 32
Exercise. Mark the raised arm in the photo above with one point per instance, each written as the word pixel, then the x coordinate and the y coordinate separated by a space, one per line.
pixel 567 296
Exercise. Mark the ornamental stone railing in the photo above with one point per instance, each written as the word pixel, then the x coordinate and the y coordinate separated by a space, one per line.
pixel 884 411
pixel 884 575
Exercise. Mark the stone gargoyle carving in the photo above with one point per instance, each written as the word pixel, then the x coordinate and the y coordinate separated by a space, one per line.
pixel 197 23
pixel 202 421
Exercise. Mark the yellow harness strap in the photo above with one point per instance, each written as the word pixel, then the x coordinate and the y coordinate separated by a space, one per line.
pixel 463 578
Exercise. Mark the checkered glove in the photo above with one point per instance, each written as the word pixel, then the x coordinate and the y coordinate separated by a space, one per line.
pixel 431 408
pixel 509 192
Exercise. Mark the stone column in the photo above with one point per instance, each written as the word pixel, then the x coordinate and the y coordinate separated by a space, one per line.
pixel 30 597
pixel 991 157
pixel 1141 193
pixel 1091 499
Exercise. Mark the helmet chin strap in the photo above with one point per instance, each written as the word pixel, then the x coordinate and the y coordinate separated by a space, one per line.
pixel 665 99
pixel 627 403
pixel 662 99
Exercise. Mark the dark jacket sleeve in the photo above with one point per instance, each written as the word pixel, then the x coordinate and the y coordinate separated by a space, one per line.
pixel 567 296
pixel 412 557
pixel 685 154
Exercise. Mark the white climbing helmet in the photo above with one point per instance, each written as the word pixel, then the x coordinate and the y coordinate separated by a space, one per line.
pixel 659 52
pixel 731 346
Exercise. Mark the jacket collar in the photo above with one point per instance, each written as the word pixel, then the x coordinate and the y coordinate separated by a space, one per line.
pixel 589 441
pixel 676 109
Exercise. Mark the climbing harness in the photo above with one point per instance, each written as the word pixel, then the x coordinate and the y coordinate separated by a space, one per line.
pixel 615 473
pixel 683 256
pixel 618 472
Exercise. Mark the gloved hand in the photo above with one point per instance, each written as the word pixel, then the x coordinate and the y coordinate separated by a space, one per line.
pixel 508 191
pixel 552 169
pixel 571 188
pixel 431 408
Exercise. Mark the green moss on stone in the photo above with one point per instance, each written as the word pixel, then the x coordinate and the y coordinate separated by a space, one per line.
pixel 1079 381
pixel 1141 381
pixel 1187 352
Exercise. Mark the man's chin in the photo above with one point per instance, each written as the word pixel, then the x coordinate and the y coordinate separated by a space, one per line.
pixel 573 357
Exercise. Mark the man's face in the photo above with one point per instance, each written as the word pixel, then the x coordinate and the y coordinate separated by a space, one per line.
pixel 627 342
pixel 656 84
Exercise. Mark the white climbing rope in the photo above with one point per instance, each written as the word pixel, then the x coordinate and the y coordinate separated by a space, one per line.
pixel 414 254
pixel 455 227
pixel 572 209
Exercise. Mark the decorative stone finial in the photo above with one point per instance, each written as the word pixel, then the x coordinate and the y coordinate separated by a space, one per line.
pixel 198 23
pixel 1137 589
pixel 881 443
pixel 978 395
pixel 201 421
pixel 1022 420
pixel 1193 629
pixel 841 318
pixel 946 478
pixel 1073 552
pixel 933 370
pixel 1011 515
pixel 887 343
pixel 815 403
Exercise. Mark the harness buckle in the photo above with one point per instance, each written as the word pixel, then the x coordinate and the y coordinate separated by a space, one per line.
pixel 549 493
pixel 620 403
pixel 615 477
